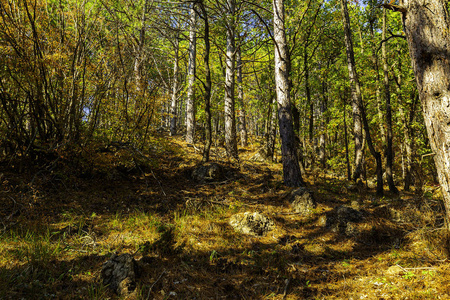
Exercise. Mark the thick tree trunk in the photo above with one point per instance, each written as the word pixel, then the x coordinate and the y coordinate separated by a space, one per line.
pixel 230 119
pixel 356 93
pixel 426 27
pixel 190 102
pixel 387 95
pixel 242 112
pixel 291 170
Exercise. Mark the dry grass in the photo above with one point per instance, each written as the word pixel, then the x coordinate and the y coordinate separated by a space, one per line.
pixel 58 231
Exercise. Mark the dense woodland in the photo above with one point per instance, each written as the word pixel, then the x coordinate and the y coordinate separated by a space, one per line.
pixel 349 99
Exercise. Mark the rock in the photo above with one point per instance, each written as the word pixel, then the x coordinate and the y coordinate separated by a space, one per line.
pixel 119 274
pixel 208 172
pixel 394 270
pixel 251 223
pixel 342 219
pixel 302 201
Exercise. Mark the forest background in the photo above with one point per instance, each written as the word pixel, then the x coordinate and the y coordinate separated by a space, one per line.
pixel 82 79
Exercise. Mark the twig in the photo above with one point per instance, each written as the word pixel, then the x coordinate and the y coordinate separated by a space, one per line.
pixel 287 281
pixel 150 290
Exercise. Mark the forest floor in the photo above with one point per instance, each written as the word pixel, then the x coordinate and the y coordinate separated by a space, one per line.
pixel 60 222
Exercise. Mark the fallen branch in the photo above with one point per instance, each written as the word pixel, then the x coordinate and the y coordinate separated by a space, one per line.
pixel 150 290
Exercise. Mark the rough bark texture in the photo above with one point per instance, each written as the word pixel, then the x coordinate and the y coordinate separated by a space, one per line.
pixel 230 119
pixel 426 27
pixel 190 103
pixel 291 170
pixel 356 93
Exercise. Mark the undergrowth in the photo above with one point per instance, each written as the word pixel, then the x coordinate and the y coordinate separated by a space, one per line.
pixel 59 227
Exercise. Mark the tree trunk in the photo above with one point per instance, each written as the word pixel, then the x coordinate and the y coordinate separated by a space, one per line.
pixel 426 28
pixel 190 102
pixel 356 93
pixel 174 100
pixel 230 119
pixel 207 85
pixel 291 170
pixel 242 113
pixel 387 94
pixel 322 138
pixel 349 173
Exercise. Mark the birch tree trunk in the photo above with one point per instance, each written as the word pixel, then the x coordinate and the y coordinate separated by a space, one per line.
pixel 190 103
pixel 356 93
pixel 230 119
pixel 426 27
pixel 291 170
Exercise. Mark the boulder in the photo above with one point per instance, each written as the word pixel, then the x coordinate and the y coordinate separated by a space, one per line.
pixel 254 223
pixel 302 201
pixel 208 172
pixel 119 274
pixel 342 219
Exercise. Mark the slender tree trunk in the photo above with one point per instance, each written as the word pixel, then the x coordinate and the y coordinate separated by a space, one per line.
pixel 190 101
pixel 271 130
pixel 426 28
pixel 356 93
pixel 323 109
pixel 174 100
pixel 349 172
pixel 291 170
pixel 387 94
pixel 242 113
pixel 207 84
pixel 296 118
pixel 230 119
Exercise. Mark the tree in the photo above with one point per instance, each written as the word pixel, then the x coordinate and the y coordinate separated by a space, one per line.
pixel 426 28
pixel 230 62
pixel 387 95
pixel 207 83
pixel 356 93
pixel 359 112
pixel 190 103
pixel 291 169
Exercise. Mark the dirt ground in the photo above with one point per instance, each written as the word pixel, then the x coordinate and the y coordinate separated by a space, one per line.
pixel 62 219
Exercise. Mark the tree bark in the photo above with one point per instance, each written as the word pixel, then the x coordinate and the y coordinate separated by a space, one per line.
pixel 242 112
pixel 190 102
pixel 207 84
pixel 174 99
pixel 426 28
pixel 356 93
pixel 291 170
pixel 230 119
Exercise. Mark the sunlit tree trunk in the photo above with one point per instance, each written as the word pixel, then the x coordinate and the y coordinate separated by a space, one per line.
pixel 230 119
pixel 359 113
pixel 426 27
pixel 174 94
pixel 291 170
pixel 356 93
pixel 190 102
